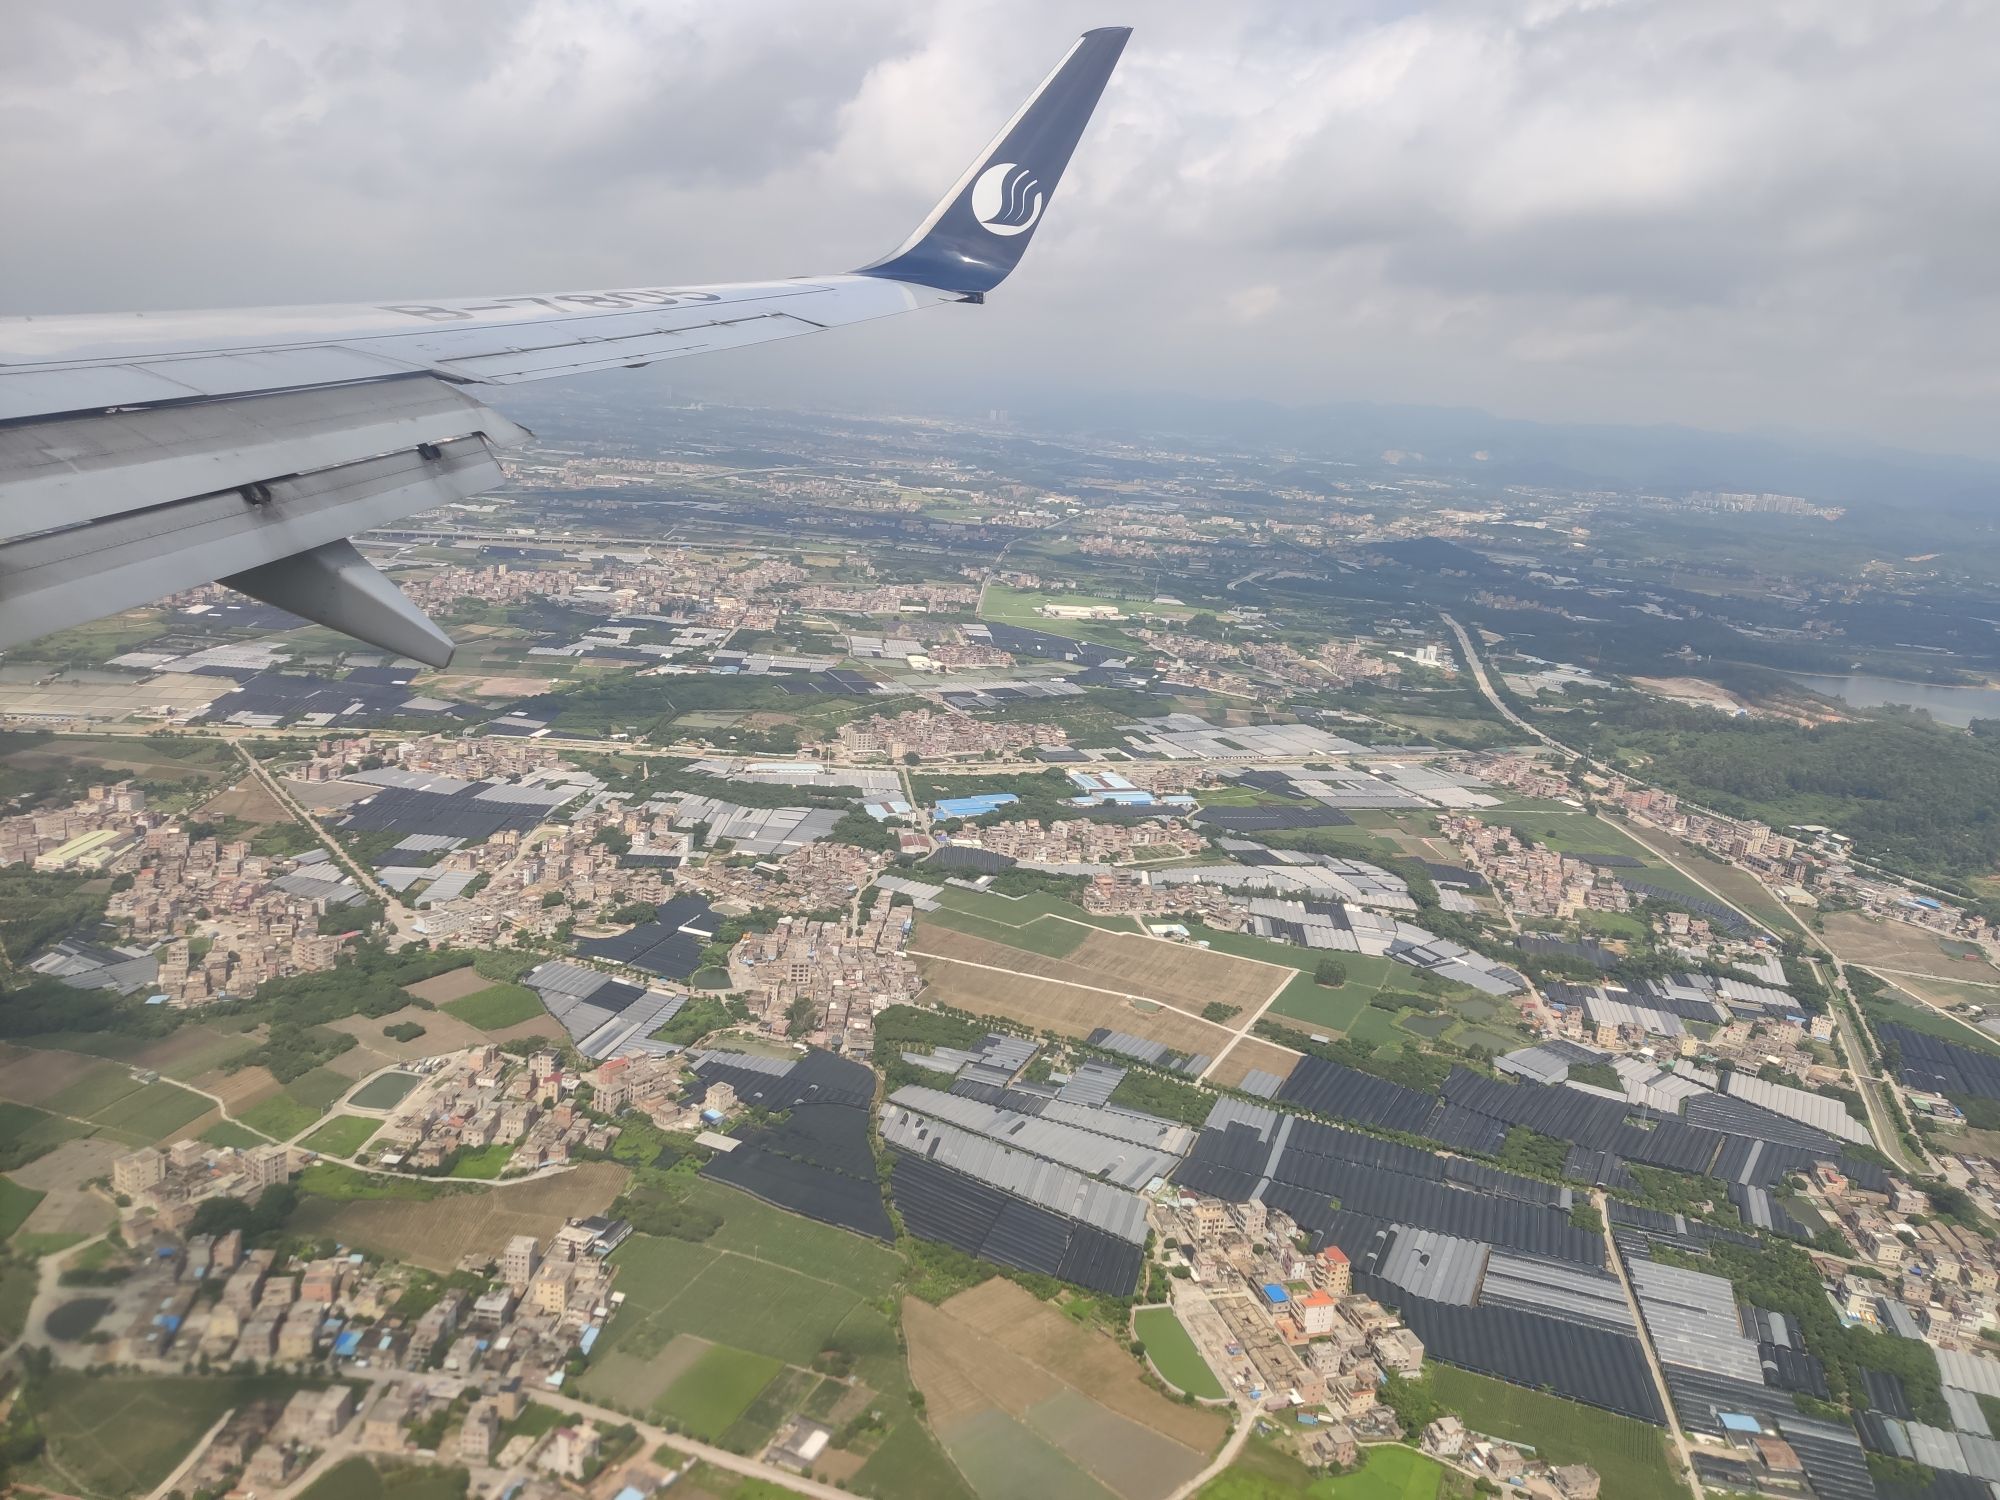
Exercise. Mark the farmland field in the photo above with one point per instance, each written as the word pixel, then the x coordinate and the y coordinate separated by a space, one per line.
pixel 229 1133
pixel 1019 911
pixel 717 1389
pixel 1007 1460
pixel 496 1007
pixel 118 1435
pixel 1252 1052
pixel 359 1479
pixel 343 1135
pixel 454 984
pixel 280 1117
pixel 153 1112
pixel 1173 1352
pixel 1049 936
pixel 1003 1373
pixel 16 1203
pixel 1630 1457
pixel 26 1133
pixel 433 1232
pixel 1154 969
pixel 1047 1005
pixel 772 1291
pixel 106 1095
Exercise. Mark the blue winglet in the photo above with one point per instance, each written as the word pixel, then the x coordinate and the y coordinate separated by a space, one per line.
pixel 979 232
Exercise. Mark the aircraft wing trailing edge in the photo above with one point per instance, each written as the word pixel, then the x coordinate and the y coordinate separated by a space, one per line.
pixel 142 454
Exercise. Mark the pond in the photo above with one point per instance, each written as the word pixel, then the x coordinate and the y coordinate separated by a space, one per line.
pixel 1948 705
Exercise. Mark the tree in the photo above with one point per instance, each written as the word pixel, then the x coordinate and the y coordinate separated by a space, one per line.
pixel 1330 972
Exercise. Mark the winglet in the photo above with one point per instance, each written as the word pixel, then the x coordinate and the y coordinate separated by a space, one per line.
pixel 979 232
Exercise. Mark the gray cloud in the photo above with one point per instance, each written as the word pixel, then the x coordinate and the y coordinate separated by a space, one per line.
pixel 1659 210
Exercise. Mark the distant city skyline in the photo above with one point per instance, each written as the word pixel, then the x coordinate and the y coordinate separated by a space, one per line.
pixel 1664 211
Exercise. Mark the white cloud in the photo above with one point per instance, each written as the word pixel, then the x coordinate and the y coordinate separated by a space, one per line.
pixel 1676 210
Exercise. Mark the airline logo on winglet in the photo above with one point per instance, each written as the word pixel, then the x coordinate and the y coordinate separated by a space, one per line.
pixel 1007 199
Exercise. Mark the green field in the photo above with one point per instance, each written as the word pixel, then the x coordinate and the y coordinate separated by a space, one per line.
pixel 318 1089
pixel 1008 1460
pixel 484 1164
pixel 768 1289
pixel 1630 1457
pixel 1015 607
pixel 1173 1353
pixel 496 1008
pixel 384 1092
pixel 1047 936
pixel 99 1088
pixel 26 1133
pixel 343 1135
pixel 359 1479
pixel 19 1281
pixel 16 1203
pixel 280 1117
pixel 110 1098
pixel 775 1403
pixel 716 1390
pixel 1019 911
pixel 120 1435
pixel 1387 1472
pixel 229 1133
pixel 909 1462
pixel 153 1112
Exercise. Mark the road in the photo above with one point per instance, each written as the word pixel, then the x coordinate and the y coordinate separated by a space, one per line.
pixel 1617 1264
pixel 1500 704
pixel 1844 1009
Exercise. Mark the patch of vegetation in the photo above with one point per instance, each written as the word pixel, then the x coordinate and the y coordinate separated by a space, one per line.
pixel 499 1007
pixel 1157 1094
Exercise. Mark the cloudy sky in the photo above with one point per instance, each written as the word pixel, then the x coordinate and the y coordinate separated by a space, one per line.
pixel 1778 213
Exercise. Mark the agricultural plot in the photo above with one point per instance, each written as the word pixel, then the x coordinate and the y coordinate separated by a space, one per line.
pixel 1014 1388
pixel 1252 1054
pixel 435 1232
pixel 120 1435
pixel 1876 943
pixel 1166 973
pixel 106 1096
pixel 342 1136
pixel 717 1390
pixel 280 1117
pixel 153 1112
pixel 496 1007
pixel 454 984
pixel 1047 1005
pixel 30 1075
pixel 1020 911
pixel 67 1207
pixel 1629 1456
pixel 1051 937
pixel 16 1204
pixel 27 1134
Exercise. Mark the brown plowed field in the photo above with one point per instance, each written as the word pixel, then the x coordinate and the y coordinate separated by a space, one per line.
pixel 1252 1052
pixel 1171 974
pixel 1047 1005
pixel 436 1233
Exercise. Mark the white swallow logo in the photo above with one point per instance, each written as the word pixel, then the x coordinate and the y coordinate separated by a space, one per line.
pixel 1006 199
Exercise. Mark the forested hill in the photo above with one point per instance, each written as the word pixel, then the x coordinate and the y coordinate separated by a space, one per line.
pixel 1913 796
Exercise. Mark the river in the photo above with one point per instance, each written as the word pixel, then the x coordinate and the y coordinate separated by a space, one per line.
pixel 1948 705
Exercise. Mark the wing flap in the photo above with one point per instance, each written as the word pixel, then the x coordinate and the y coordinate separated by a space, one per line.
pixel 63 578
pixel 81 469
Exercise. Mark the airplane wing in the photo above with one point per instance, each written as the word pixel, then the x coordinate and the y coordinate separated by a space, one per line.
pixel 145 453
